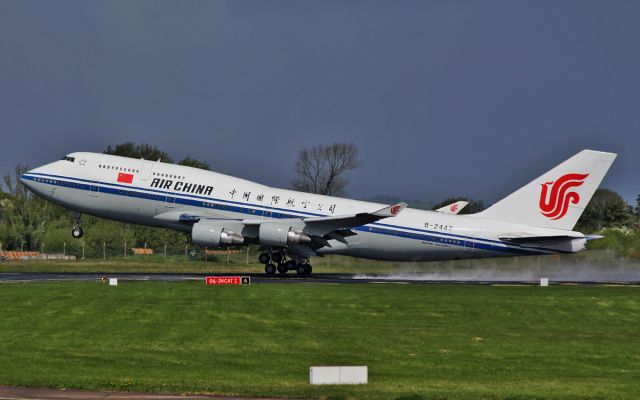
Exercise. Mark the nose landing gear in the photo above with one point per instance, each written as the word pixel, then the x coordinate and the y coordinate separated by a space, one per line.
pixel 76 232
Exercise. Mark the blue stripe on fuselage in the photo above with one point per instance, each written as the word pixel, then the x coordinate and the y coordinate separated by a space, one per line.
pixel 273 212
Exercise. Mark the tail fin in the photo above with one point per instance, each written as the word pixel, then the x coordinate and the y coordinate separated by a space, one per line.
pixel 557 198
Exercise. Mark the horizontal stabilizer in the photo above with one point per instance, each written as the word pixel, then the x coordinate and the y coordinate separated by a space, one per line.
pixel 537 239
pixel 593 237
pixel 560 243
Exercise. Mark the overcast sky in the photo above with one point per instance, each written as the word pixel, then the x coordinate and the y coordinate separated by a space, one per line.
pixel 442 98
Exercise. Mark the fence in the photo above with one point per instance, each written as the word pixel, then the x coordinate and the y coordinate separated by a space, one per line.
pixel 80 250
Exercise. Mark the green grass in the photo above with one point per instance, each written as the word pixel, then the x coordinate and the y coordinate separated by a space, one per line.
pixel 419 341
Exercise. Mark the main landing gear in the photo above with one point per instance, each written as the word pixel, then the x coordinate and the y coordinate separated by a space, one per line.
pixel 76 232
pixel 276 261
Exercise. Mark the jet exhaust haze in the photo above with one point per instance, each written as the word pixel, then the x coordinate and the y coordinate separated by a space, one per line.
pixel 617 270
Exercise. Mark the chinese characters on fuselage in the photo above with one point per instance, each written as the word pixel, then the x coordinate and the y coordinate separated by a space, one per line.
pixel 207 190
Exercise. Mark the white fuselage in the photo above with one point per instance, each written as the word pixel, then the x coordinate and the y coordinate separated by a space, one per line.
pixel 158 193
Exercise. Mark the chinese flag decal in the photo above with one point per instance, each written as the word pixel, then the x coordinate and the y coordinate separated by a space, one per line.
pixel 125 178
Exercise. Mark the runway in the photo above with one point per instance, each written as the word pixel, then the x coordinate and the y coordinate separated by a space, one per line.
pixel 32 277
pixel 17 393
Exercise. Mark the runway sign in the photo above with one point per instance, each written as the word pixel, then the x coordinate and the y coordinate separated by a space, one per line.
pixel 113 281
pixel 338 375
pixel 228 280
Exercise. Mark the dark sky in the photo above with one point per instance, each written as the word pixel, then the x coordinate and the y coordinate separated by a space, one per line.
pixel 442 98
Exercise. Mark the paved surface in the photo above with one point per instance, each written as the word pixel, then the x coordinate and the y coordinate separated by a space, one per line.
pixel 51 394
pixel 17 277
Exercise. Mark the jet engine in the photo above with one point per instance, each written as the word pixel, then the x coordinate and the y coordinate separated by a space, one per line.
pixel 214 234
pixel 279 235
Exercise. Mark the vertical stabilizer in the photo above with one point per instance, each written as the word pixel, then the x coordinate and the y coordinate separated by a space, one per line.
pixel 557 198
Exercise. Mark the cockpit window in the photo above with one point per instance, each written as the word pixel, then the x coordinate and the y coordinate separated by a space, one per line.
pixel 67 158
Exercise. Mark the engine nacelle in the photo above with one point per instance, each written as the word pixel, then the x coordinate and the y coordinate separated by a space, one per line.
pixel 278 235
pixel 214 234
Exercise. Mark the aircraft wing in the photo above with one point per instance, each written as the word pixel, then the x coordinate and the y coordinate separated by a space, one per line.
pixel 320 226
pixel 453 208
pixel 319 230
pixel 312 225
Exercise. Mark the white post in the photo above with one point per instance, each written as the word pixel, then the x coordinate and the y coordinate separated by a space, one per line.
pixel 83 249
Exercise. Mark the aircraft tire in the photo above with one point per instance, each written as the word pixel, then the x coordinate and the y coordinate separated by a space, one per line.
pixel 277 257
pixel 264 258
pixel 270 269
pixel 291 265
pixel 302 270
pixel 308 269
pixel 282 268
pixel 77 232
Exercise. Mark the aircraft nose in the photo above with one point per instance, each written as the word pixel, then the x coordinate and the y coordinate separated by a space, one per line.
pixel 25 179
pixel 28 178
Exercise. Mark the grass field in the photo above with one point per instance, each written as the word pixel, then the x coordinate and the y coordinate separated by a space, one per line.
pixel 419 341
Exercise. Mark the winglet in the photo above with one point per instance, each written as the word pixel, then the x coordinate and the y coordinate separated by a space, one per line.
pixel 453 208
pixel 390 211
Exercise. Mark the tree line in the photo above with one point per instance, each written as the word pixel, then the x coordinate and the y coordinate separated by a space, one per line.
pixel 29 223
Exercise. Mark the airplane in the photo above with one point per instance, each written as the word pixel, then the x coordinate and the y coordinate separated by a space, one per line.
pixel 453 208
pixel 290 227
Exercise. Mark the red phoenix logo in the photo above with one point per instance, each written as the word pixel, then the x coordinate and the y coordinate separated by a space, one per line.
pixel 395 210
pixel 454 207
pixel 554 203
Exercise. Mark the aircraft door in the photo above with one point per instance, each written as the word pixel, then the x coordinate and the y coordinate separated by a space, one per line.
pixel 266 214
pixel 170 200
pixel 94 189
pixel 469 246
pixel 146 170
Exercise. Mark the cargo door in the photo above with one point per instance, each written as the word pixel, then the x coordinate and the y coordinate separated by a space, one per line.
pixel 469 246
pixel 94 189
